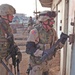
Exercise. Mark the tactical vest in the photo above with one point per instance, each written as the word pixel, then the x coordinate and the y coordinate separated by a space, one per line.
pixel 46 38
pixel 3 41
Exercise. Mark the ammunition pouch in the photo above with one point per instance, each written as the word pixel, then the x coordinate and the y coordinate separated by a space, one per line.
pixel 3 50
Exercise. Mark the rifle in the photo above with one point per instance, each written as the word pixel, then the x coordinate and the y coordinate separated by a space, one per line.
pixel 14 55
pixel 13 48
pixel 50 52
pixel 28 70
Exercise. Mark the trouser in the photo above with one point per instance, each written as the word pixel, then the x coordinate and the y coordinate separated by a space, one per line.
pixel 38 72
pixel 41 69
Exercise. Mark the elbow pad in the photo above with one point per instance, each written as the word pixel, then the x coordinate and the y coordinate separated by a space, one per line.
pixel 31 47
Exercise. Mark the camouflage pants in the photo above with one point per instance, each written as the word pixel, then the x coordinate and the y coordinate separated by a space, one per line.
pixel 39 69
pixel 36 70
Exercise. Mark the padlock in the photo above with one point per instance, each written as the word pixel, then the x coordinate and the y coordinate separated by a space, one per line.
pixel 72 23
pixel 71 38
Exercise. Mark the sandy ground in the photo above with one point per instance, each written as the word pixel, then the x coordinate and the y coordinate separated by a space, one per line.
pixel 24 64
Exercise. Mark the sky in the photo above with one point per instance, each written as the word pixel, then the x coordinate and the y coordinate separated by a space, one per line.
pixel 25 6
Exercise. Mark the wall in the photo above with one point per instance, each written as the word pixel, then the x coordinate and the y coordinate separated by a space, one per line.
pixel 71 53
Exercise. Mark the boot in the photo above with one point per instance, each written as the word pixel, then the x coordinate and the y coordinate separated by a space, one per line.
pixel 45 73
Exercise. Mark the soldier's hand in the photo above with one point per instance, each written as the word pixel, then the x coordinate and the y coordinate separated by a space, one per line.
pixel 63 38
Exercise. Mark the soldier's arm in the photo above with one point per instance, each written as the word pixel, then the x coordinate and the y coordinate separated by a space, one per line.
pixel 62 43
pixel 32 41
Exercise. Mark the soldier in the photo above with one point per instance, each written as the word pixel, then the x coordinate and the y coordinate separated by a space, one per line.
pixel 30 24
pixel 42 37
pixel 6 16
pixel 6 34
pixel 31 21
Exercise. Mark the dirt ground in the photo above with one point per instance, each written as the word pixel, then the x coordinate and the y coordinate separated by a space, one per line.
pixel 24 64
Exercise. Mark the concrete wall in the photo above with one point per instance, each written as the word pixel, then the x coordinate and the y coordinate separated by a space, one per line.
pixel 72 51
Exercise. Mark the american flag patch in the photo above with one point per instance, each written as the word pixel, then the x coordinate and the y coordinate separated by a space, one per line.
pixel 33 32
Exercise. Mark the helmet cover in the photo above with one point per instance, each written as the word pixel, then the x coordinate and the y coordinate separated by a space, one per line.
pixel 6 9
pixel 45 15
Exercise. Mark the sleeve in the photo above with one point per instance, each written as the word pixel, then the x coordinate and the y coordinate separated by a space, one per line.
pixel 10 36
pixel 33 36
pixel 9 28
pixel 60 45
pixel 31 45
pixel 55 37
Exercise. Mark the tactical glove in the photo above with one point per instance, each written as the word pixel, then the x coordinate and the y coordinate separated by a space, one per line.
pixel 31 48
pixel 63 38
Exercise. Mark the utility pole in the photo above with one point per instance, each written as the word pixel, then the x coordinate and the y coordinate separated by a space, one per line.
pixel 36 12
pixel 36 6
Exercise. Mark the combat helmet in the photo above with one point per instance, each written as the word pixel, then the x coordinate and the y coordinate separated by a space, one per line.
pixel 43 16
pixel 6 9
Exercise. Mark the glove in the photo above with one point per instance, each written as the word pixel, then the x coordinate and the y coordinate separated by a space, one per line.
pixel 31 48
pixel 63 38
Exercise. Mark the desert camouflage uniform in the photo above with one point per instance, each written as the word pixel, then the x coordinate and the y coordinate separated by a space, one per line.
pixel 3 39
pixel 46 40
pixel 41 38
pixel 5 10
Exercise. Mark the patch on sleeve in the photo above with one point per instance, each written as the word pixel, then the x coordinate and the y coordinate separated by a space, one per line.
pixel 33 32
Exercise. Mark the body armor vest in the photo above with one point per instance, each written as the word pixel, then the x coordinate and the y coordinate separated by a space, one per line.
pixel 46 38
pixel 3 40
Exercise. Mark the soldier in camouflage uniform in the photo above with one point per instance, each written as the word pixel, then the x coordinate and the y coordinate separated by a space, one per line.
pixel 30 24
pixel 42 37
pixel 6 16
